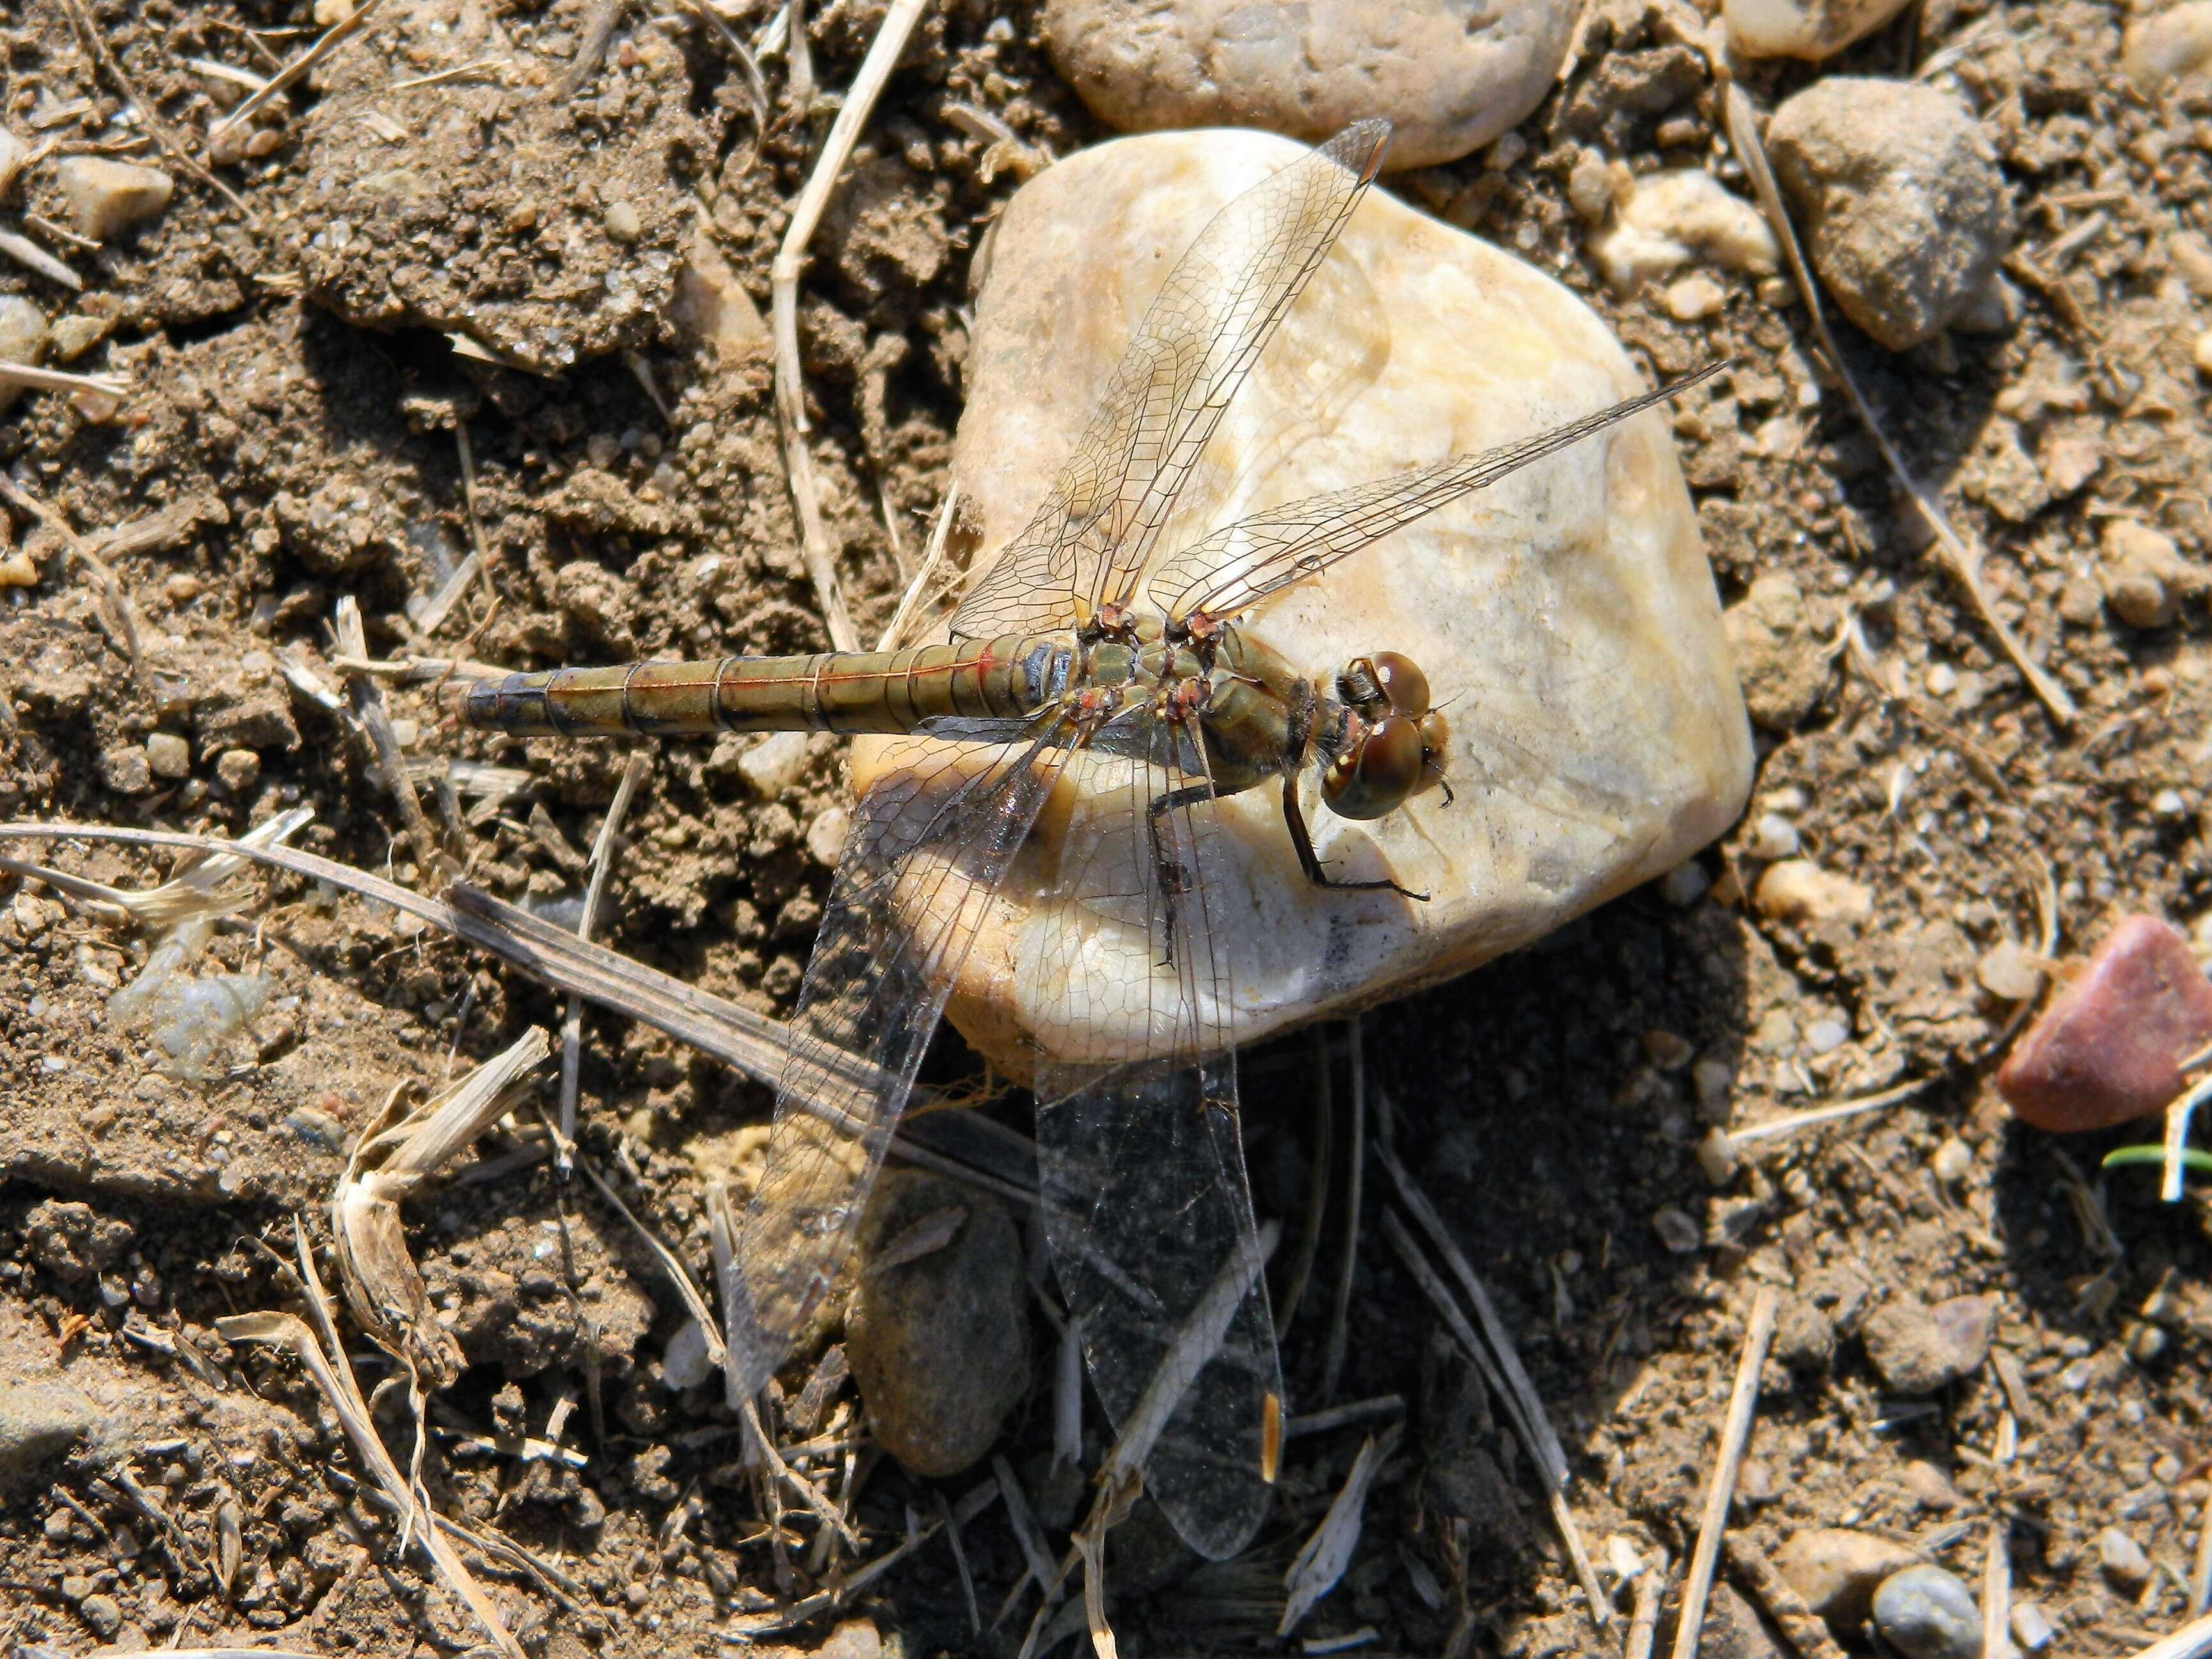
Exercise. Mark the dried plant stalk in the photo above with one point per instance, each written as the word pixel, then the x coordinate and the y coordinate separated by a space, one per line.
pixel 383 1287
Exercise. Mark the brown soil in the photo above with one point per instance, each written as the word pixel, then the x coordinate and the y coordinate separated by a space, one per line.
pixel 298 424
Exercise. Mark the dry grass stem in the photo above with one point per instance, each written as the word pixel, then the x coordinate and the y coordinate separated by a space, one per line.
pixel 1996 1594
pixel 918 600
pixel 1355 1198
pixel 2176 1136
pixel 829 1601
pixel 694 1299
pixel 125 620
pixel 383 1287
pixel 1736 1432
pixel 1382 1408
pixel 1321 1559
pixel 1027 1533
pixel 1963 559
pixel 440 606
pixel 748 65
pixel 55 380
pixel 1643 1616
pixel 328 42
pixel 327 1366
pixel 2192 1641
pixel 1803 1628
pixel 28 254
pixel 431 860
pixel 899 19
pixel 150 112
pixel 572 1022
pixel 1813 1117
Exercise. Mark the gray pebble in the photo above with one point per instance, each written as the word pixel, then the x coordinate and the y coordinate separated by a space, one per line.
pixel 1919 1349
pixel 38 1423
pixel 1901 200
pixel 1925 1612
pixel 2030 1627
pixel 168 756
pixel 937 1333
pixel 1449 78
pixel 2123 1559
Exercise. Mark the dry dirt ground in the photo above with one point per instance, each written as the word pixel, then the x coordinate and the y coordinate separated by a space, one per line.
pixel 291 430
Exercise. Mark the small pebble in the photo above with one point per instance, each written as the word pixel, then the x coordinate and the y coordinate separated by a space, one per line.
pixel 1925 1612
pixel 13 151
pixel 1713 1079
pixel 1448 81
pixel 2030 1627
pixel 1797 890
pixel 2163 48
pixel 1902 201
pixel 168 756
pixel 39 1422
pixel 1919 1349
pixel 181 587
pixel 1716 1157
pixel 684 1362
pixel 1942 680
pixel 826 835
pixel 2202 352
pixel 103 1613
pixel 1805 1340
pixel 771 766
pixel 2123 1559
pixel 22 337
pixel 1836 1570
pixel 1825 1036
pixel 107 198
pixel 1779 656
pixel 1676 1231
pixel 237 769
pixel 1670 218
pixel 125 769
pixel 2010 972
pixel 17 567
pixel 1811 29
pixel 1954 1161
pixel 622 223
pixel 1694 298
pixel 2144 574
pixel 76 334
pixel 1774 837
pixel 2107 1050
pixel 1685 884
pixel 1929 1487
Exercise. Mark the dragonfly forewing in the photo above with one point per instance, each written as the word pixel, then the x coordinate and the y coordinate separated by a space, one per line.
pixel 1219 305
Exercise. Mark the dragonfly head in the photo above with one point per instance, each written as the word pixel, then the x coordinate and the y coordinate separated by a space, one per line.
pixel 1394 742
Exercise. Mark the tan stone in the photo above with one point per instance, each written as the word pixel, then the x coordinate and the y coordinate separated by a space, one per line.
pixel 1811 29
pixel 1566 614
pixel 107 198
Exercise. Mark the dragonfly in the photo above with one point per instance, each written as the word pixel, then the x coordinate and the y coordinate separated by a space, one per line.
pixel 1093 664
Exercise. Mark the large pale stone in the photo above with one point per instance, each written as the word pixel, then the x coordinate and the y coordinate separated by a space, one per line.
pixel 1566 615
pixel 1811 29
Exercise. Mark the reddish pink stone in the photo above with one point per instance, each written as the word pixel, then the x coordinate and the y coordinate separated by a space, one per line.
pixel 2110 1047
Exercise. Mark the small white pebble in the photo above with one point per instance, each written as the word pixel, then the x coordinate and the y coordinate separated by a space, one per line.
pixel 2169 805
pixel 2010 971
pixel 1694 298
pixel 2030 1628
pixel 825 836
pixel 1825 1036
pixel 1676 1231
pixel 773 765
pixel 1685 884
pixel 1774 837
pixel 1953 1160
pixel 1942 680
pixel 2203 352
pixel 53 1063
pixel 1716 1157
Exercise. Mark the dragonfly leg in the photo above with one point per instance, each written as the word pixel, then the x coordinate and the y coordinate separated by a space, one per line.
pixel 1309 861
pixel 1174 879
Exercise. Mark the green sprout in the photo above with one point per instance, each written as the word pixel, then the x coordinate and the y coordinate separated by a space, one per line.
pixel 2196 1162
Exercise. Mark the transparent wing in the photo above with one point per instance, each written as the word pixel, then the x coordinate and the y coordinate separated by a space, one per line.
pixel 1242 564
pixel 930 842
pixel 1147 1210
pixel 1221 302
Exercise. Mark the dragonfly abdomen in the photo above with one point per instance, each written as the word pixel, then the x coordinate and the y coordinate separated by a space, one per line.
pixel 881 691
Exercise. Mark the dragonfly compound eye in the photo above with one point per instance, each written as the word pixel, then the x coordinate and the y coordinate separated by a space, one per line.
pixel 1377 774
pixel 1384 683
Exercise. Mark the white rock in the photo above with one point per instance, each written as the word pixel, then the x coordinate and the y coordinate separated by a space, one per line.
pixel 773 765
pixel 1670 218
pixel 2156 52
pixel 1694 297
pixel 712 306
pixel 2010 971
pixel 1811 29
pixel 684 1362
pixel 107 198
pixel 1773 837
pixel 22 337
pixel 826 835
pixel 1568 615
pixel 1449 78
pixel 1798 889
